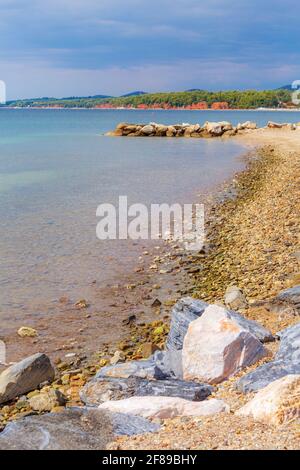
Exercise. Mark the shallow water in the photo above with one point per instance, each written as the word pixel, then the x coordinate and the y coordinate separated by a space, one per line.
pixel 56 167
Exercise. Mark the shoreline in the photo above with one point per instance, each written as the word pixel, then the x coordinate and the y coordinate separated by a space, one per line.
pixel 251 189
pixel 53 108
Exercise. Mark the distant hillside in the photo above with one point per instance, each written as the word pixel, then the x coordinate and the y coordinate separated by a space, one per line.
pixel 289 87
pixel 134 93
pixel 193 99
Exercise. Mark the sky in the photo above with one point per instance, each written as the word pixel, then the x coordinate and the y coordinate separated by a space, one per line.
pixel 87 47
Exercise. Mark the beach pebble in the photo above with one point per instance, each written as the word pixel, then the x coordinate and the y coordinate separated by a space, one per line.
pixel 27 332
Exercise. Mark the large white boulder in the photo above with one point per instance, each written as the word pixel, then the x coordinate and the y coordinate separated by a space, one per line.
pixel 277 403
pixel 165 407
pixel 217 346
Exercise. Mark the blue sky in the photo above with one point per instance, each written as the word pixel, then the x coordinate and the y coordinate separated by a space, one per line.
pixel 84 47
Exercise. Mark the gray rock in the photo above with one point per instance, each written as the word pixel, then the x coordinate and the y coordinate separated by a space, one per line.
pixel 147 130
pixel 25 376
pixel 184 312
pixel 146 369
pixel 290 296
pixel 253 327
pixel 287 361
pixel 73 429
pixel 100 390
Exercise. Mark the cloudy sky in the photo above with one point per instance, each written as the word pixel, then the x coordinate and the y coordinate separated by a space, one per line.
pixel 85 47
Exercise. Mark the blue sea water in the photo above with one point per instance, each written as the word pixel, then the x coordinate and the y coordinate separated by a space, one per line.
pixel 57 166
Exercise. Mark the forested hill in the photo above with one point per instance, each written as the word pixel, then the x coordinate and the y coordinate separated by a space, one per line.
pixel 192 99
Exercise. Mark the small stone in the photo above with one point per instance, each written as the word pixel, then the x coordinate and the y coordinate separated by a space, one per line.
pixel 117 357
pixel 27 332
pixel 156 303
pixel 81 304
pixel 234 298
pixel 147 349
pixel 47 400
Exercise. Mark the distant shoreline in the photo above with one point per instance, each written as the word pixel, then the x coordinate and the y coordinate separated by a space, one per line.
pixel 54 108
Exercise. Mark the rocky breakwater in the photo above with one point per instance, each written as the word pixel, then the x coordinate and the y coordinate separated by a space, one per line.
pixel 207 130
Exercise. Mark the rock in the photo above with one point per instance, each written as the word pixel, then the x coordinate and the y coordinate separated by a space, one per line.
pixel 290 296
pixel 161 130
pixel 216 347
pixel 183 313
pixel 165 407
pixel 248 125
pixel 122 125
pixel 117 357
pixel 214 128
pixel 234 298
pixel 147 349
pixel 275 125
pixel 25 376
pixel 100 390
pixel 47 400
pixel 286 362
pixel 156 303
pixel 257 330
pixel 277 403
pixel 27 332
pixel 226 126
pixel 147 130
pixel 171 131
pixel 81 304
pixel 72 429
pixel 188 310
pixel 145 369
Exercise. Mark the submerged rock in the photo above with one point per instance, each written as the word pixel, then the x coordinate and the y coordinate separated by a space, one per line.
pixel 100 390
pixel 73 429
pixel 277 403
pixel 25 376
pixel 287 361
pixel 165 407
pixel 217 346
